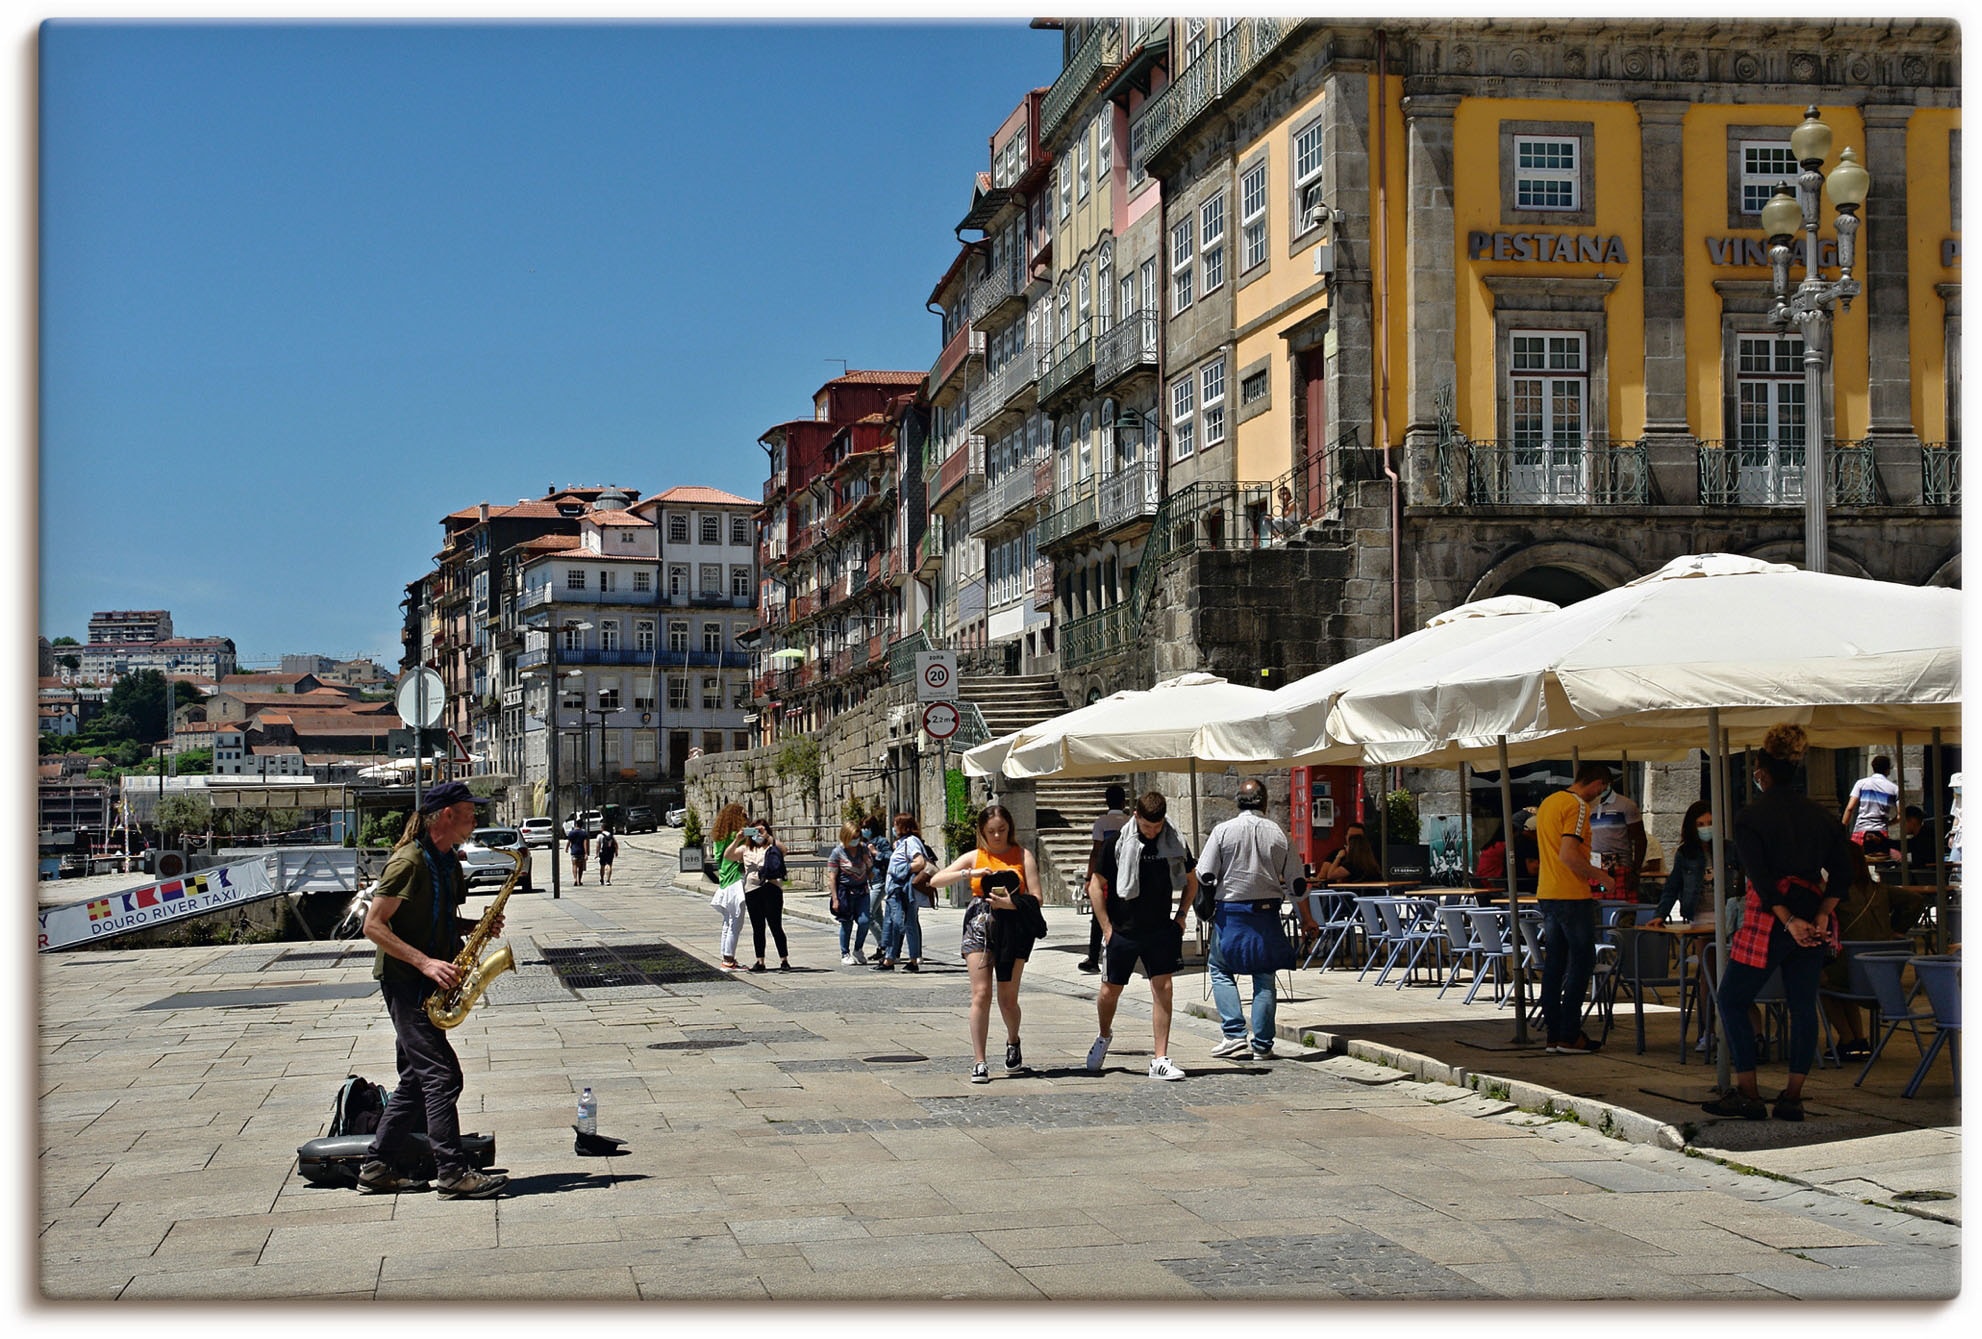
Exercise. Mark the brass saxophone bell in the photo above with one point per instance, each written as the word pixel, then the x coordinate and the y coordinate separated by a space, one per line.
pixel 446 1008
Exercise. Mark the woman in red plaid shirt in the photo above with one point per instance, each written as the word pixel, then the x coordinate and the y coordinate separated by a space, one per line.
pixel 1797 858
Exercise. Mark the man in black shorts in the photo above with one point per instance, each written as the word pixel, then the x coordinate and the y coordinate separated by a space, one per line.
pixel 1143 872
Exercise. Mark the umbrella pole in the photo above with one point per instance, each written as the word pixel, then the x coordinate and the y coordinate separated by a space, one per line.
pixel 1717 797
pixel 1899 763
pixel 1513 863
pixel 1466 817
pixel 1940 859
pixel 1197 842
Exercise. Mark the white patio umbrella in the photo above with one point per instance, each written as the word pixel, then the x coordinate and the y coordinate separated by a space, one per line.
pixel 1148 731
pixel 988 758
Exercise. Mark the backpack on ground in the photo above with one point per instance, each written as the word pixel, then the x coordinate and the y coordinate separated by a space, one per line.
pixel 359 1105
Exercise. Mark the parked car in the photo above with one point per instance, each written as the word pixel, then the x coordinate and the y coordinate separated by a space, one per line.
pixel 538 832
pixel 592 820
pixel 485 856
pixel 640 818
pixel 677 816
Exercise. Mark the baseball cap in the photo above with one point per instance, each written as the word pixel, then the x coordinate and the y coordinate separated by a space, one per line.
pixel 446 795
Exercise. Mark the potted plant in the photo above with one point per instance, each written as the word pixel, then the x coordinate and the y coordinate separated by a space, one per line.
pixel 1405 857
pixel 691 841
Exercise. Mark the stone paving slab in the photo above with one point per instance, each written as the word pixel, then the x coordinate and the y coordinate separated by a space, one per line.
pixel 791 1164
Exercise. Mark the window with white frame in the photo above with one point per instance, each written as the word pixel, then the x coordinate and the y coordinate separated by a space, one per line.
pixel 1064 172
pixel 1307 165
pixel 1765 164
pixel 1128 287
pixel 1211 242
pixel 677 528
pixel 609 694
pixel 739 583
pixel 1769 399
pixel 1080 167
pixel 1183 249
pixel 1146 276
pixel 574 578
pixel 608 580
pixel 643 581
pixel 643 746
pixel 1084 299
pixel 1547 173
pixel 609 634
pixel 739 531
pixel 1211 410
pixel 1548 388
pixel 1104 146
pixel 712 579
pixel 712 638
pixel 1252 216
pixel 1183 417
pixel 643 635
pixel 712 529
pixel 712 694
pixel 678 579
pixel 570 639
pixel 677 693
pixel 678 635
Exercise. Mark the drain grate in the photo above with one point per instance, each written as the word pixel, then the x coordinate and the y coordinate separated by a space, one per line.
pixel 606 966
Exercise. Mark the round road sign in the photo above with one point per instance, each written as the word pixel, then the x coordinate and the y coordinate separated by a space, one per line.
pixel 421 696
pixel 940 719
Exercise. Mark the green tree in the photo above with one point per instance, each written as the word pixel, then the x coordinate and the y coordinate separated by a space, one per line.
pixel 185 695
pixel 65 641
pixel 142 697
pixel 180 814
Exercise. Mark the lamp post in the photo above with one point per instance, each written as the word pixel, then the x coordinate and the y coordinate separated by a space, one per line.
pixel 1808 308
pixel 551 677
pixel 601 712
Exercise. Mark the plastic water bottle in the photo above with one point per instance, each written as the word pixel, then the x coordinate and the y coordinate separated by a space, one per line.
pixel 588 1112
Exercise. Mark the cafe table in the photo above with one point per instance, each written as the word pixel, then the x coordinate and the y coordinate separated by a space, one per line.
pixel 1689 935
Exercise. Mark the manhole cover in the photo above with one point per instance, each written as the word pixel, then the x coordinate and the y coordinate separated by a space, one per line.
pixel 705 1045
pixel 893 1059
pixel 604 966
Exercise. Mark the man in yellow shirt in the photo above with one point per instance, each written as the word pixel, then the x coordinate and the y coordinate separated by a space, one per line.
pixel 1569 909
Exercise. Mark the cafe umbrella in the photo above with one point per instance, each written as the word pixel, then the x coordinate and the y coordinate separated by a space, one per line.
pixel 1710 643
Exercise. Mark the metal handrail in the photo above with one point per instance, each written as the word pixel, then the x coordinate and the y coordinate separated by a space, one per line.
pixel 1736 473
pixel 1123 347
pixel 1103 44
pixel 1940 474
pixel 1130 494
pixel 1202 82
pixel 1582 472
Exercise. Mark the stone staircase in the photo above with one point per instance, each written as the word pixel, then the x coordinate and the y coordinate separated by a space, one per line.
pixel 1065 809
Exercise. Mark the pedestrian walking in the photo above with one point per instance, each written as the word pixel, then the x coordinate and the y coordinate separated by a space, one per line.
pixel 412 919
pixel 999 927
pixel 608 851
pixel 1106 829
pixel 873 831
pixel 1873 803
pixel 731 823
pixel 1250 864
pixel 1799 870
pixel 1569 909
pixel 1142 874
pixel 575 843
pixel 901 913
pixel 756 849
pixel 847 868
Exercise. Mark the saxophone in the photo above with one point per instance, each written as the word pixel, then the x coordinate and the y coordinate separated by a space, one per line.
pixel 448 1007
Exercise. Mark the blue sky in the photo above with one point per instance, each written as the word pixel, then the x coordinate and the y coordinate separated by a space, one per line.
pixel 306 288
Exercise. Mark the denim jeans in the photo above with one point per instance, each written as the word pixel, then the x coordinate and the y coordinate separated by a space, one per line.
pixel 429 1085
pixel 1569 956
pixel 855 905
pixel 1802 970
pixel 901 927
pixel 1225 995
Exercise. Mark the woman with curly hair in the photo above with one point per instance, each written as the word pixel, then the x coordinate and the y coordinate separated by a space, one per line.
pixel 1798 862
pixel 730 821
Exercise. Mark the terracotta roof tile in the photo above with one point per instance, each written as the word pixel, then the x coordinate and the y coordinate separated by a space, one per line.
pixel 696 493
pixel 617 518
pixel 871 378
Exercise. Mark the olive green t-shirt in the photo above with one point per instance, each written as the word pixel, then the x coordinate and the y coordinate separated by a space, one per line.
pixel 431 929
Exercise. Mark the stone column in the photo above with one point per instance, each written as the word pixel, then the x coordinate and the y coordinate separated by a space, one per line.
pixel 1662 262
pixel 1347 145
pixel 1431 289
pixel 1883 244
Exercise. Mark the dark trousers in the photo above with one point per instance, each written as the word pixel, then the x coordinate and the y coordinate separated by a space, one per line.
pixel 1569 957
pixel 1094 939
pixel 429 1083
pixel 1802 972
pixel 766 905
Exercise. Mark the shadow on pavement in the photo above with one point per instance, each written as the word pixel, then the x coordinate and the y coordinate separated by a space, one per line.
pixel 554 1183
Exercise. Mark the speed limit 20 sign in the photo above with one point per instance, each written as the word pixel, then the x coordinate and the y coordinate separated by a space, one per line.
pixel 935 676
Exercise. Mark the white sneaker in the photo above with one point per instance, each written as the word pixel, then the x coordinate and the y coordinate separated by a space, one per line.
pixel 1161 1068
pixel 1097 1053
pixel 1231 1048
pixel 847 961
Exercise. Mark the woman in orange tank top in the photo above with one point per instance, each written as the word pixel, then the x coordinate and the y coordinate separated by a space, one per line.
pixel 998 871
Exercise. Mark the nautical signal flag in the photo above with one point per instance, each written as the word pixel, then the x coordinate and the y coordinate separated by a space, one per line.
pixel 148 897
pixel 100 909
pixel 171 892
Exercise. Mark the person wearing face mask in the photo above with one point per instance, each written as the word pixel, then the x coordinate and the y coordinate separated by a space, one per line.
pixel 1617 838
pixel 763 862
pixel 1690 885
pixel 847 869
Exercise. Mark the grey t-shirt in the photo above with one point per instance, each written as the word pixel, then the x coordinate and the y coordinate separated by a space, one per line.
pixel 1251 859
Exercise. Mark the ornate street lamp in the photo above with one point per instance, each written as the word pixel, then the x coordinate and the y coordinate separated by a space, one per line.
pixel 1808 308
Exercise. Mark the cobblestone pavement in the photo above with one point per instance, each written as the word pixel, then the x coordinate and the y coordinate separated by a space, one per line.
pixel 813 1135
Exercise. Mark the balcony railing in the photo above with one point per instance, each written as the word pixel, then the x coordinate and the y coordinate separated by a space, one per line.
pixel 1127 346
pixel 774 486
pixel 1012 492
pixel 539 596
pixel 1590 472
pixel 929 550
pixel 1096 636
pixel 1129 495
pixel 902 653
pixel 1940 474
pixel 968 342
pixel 1001 390
pixel 1770 474
pixel 1197 85
pixel 592 655
pixel 1076 510
pixel 1103 46
pixel 1006 283
pixel 1072 357
pixel 966 459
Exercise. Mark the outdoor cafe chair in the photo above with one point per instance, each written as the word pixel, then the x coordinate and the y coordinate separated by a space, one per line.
pixel 1412 928
pixel 1939 974
pixel 1335 915
pixel 1463 946
pixel 1376 934
pixel 1490 941
pixel 1884 972
pixel 1857 989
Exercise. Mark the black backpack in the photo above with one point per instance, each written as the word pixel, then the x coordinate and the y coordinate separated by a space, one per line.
pixel 774 864
pixel 359 1105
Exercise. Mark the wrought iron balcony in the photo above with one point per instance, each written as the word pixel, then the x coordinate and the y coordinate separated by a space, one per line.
pixel 1589 472
pixel 1128 496
pixel 902 653
pixel 966 344
pixel 1127 346
pixel 774 486
pixel 538 597
pixel 1940 474
pixel 929 551
pixel 990 295
pixel 1196 86
pixel 964 462
pixel 1095 637
pixel 1076 511
pixel 1004 390
pixel 1770 474
pixel 1011 494
pixel 1102 46
pixel 1072 358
